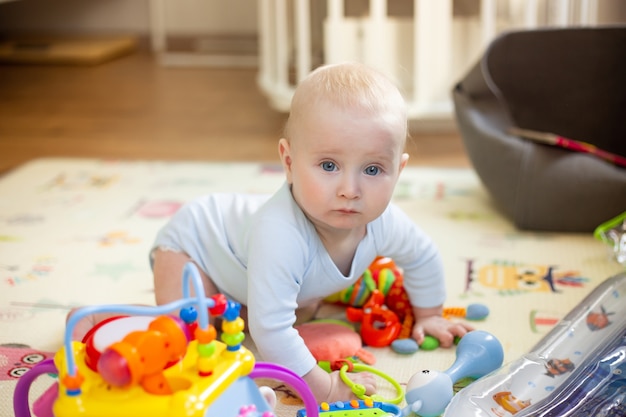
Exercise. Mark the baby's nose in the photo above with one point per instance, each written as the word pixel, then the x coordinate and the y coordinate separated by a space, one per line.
pixel 349 187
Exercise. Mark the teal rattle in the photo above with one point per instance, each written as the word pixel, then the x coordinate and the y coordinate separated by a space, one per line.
pixel 429 392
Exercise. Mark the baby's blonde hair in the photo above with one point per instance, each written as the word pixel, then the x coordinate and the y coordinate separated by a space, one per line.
pixel 348 85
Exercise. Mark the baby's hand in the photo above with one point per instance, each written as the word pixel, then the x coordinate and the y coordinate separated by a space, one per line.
pixel 339 391
pixel 442 329
pixel 328 387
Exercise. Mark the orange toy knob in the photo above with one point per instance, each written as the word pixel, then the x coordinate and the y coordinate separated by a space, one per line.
pixel 382 262
pixel 142 356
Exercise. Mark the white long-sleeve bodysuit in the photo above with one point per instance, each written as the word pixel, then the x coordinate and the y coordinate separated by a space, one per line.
pixel 263 252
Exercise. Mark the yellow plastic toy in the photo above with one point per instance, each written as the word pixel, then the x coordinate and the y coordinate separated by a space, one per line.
pixel 148 362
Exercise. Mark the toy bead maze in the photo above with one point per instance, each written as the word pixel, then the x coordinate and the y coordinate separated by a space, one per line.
pixel 148 362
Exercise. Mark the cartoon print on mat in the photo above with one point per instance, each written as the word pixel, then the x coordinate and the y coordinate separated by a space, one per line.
pixel 511 278
pixel 16 359
pixel 117 238
pixel 284 393
pixel 542 321
pixel 113 270
pixel 24 219
pixel 9 267
pixel 13 275
pixel 109 239
pixel 156 209
pixel 14 314
pixel 80 181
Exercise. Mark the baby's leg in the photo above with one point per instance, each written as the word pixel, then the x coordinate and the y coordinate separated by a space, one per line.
pixel 168 276
pixel 307 313
pixel 168 268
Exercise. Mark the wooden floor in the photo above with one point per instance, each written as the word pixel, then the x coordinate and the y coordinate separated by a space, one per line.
pixel 133 108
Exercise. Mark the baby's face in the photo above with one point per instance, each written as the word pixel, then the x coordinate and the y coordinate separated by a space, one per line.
pixel 343 165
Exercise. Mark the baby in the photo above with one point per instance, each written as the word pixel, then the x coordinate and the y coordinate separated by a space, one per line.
pixel 342 153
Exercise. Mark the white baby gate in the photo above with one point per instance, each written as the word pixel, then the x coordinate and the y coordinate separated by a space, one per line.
pixel 425 51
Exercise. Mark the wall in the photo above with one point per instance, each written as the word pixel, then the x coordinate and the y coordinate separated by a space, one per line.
pixel 208 16
pixel 128 16
pixel 75 16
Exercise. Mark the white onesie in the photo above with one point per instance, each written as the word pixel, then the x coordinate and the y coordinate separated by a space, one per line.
pixel 263 252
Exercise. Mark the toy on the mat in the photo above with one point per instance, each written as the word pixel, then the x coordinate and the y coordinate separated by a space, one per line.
pixel 428 392
pixel 359 390
pixel 333 340
pixel 379 326
pixel 472 312
pixel 380 304
pixel 577 369
pixel 148 362
pixel 356 408
pixel 337 347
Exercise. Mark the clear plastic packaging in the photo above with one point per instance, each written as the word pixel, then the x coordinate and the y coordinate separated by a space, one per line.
pixel 578 369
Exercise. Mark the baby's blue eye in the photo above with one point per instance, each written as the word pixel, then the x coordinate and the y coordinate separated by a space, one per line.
pixel 328 166
pixel 372 170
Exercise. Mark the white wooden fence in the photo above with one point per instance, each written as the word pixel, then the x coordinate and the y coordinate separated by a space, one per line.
pixel 425 52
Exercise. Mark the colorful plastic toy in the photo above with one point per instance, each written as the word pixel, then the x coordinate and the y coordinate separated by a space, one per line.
pixel 356 408
pixel 359 390
pixel 337 347
pixel 429 392
pixel 577 369
pixel 379 303
pixel 150 363
pixel 379 325
pixel 334 340
pixel 381 306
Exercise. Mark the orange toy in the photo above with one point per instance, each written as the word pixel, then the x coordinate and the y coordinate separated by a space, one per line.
pixel 136 359
pixel 379 325
pixel 380 303
pixel 386 315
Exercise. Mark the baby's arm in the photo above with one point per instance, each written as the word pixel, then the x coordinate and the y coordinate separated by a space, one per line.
pixel 329 387
pixel 430 321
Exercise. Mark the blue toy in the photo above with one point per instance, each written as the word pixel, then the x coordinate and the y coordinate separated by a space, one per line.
pixel 429 392
pixel 356 408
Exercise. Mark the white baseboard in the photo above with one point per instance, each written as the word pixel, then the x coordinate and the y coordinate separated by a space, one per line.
pixel 211 50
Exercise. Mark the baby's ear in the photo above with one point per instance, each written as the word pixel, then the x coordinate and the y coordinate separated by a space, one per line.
pixel 404 159
pixel 284 151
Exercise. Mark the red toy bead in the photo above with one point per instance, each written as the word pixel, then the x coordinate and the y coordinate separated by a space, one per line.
pixel 220 304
